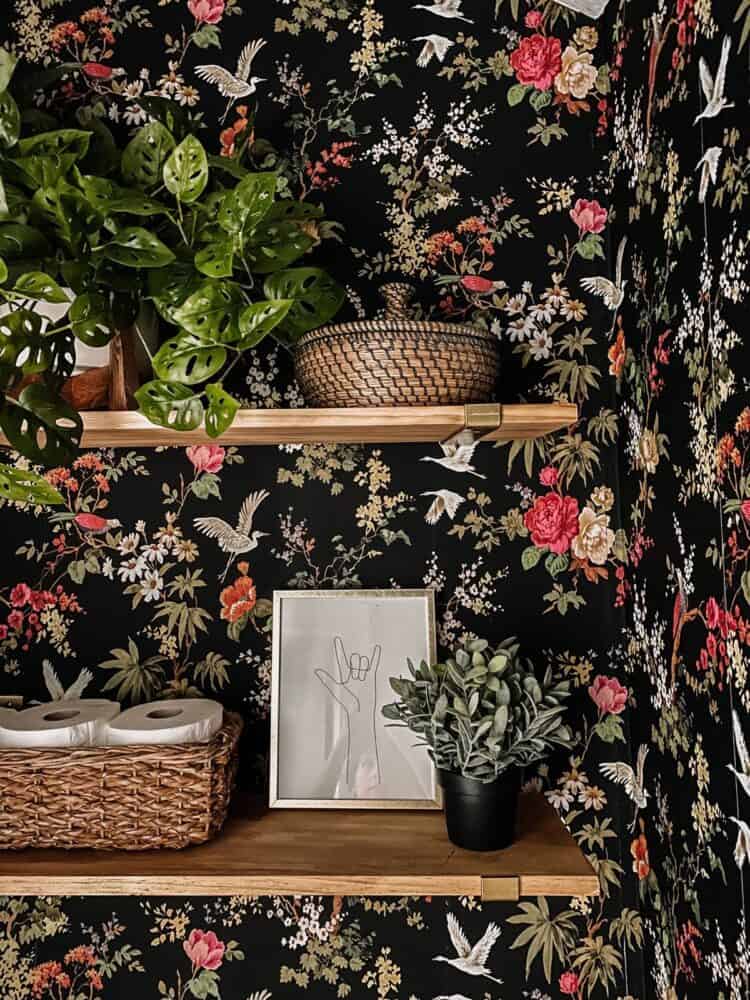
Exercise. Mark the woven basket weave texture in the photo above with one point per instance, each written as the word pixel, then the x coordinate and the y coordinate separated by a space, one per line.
pixel 397 361
pixel 126 798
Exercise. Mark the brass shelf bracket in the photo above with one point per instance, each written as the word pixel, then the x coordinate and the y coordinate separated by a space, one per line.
pixel 480 419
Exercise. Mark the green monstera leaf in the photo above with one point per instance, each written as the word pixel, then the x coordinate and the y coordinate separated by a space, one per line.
pixel 144 156
pixel 42 426
pixel 137 247
pixel 170 405
pixel 25 486
pixel 316 298
pixel 244 207
pixel 7 65
pixel 259 319
pixel 186 170
pixel 170 286
pixel 22 345
pixel 211 312
pixel 18 241
pixel 275 245
pixel 188 359
pixel 41 287
pixel 221 409
pixel 90 318
pixel 216 259
pixel 10 121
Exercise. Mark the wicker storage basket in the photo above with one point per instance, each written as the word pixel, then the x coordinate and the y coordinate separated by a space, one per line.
pixel 397 361
pixel 127 798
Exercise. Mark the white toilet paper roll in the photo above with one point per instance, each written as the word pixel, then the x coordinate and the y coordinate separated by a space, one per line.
pixel 189 720
pixel 73 723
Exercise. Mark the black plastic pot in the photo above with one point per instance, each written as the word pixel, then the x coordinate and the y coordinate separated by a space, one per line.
pixel 481 816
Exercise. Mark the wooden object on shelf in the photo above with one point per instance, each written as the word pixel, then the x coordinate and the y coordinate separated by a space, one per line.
pixel 259 852
pixel 360 425
pixel 123 369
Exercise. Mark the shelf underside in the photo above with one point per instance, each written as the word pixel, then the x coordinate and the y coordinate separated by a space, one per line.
pixel 375 425
pixel 321 852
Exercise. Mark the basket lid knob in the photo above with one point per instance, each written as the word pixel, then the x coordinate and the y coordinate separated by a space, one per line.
pixel 398 296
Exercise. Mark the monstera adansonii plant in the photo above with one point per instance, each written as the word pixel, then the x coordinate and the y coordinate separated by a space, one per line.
pixel 96 231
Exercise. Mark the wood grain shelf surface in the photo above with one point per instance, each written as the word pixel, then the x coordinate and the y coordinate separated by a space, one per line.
pixel 326 852
pixel 374 425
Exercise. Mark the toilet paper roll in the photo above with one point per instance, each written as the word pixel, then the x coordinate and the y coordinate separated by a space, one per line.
pixel 189 720
pixel 73 723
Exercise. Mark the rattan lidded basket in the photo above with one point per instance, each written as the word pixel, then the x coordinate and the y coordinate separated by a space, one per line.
pixel 127 798
pixel 397 360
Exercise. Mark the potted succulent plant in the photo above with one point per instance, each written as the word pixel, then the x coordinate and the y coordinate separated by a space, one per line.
pixel 483 716
pixel 95 231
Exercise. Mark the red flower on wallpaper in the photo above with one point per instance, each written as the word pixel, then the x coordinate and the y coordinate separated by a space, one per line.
pixel 589 216
pixel 475 283
pixel 639 850
pixel 616 355
pixel 608 694
pixel 238 599
pixel 537 61
pixel 204 949
pixel 553 521
pixel 548 475
pixel 97 71
pixel 569 984
pixel 206 11
pixel 206 457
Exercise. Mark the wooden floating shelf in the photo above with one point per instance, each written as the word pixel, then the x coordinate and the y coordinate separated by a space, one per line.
pixel 322 852
pixel 373 425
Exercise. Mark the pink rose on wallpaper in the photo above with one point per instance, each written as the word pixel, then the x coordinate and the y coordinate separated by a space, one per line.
pixel 553 521
pixel 568 984
pixel 537 61
pixel 745 508
pixel 206 457
pixel 204 949
pixel 589 216
pixel 533 19
pixel 608 695
pixel 20 595
pixel 475 283
pixel 15 620
pixel 712 612
pixel 206 11
pixel 548 475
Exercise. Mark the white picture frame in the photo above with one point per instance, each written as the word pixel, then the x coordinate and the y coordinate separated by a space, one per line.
pixel 333 652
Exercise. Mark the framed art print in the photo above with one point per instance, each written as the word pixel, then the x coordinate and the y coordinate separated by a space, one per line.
pixel 333 652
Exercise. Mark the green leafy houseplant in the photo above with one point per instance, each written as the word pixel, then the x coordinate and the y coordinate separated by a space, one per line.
pixel 482 711
pixel 96 232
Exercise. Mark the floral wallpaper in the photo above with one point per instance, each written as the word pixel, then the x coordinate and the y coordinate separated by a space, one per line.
pixel 534 171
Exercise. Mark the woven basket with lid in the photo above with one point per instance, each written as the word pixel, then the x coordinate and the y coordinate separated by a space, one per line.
pixel 397 360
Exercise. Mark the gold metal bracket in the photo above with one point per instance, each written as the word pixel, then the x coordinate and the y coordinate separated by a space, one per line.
pixel 505 889
pixel 480 419
pixel 11 701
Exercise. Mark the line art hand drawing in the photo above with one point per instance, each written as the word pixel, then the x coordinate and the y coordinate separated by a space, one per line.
pixel 355 689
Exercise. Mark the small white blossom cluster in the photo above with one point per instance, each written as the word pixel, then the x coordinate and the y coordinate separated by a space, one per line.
pixel 733 974
pixel 646 647
pixel 474 592
pixel 733 283
pixel 305 917
pixel 262 381
pixel 259 669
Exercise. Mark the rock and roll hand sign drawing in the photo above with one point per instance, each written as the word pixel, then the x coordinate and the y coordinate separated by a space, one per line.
pixel 354 688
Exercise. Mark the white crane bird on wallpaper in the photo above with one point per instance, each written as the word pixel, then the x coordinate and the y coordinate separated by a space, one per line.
pixel 55 687
pixel 743 757
pixel 457 456
pixel 238 84
pixel 633 780
pixel 713 87
pixel 709 168
pixel 434 45
pixel 445 502
pixel 237 540
pixel 445 8
pixel 472 961
pixel 612 292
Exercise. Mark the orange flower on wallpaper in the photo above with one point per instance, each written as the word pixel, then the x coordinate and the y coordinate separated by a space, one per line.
pixel 239 598
pixel 639 850
pixel 616 355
